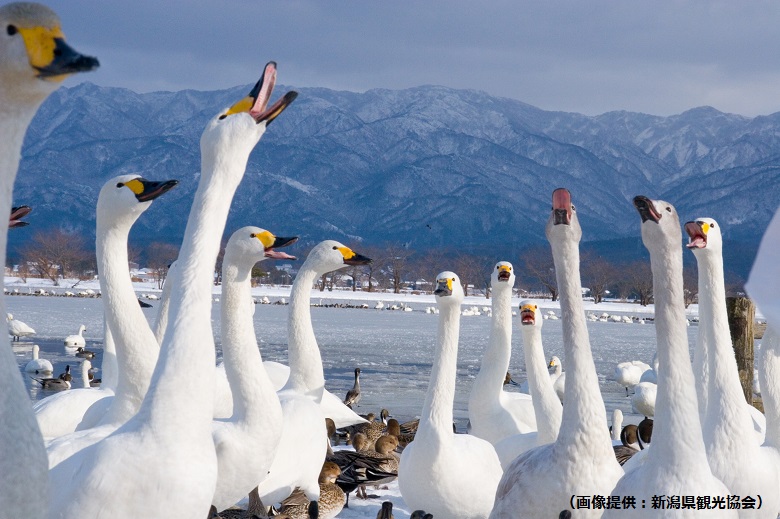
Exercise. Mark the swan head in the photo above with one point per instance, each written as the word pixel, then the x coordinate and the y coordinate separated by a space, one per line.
pixel 704 235
pixel 331 255
pixel 563 222
pixel 234 132
pixel 448 289
pixel 554 361
pixel 128 196
pixel 249 245
pixel 660 224
pixel 530 316
pixel 34 57
pixel 503 275
pixel 9 317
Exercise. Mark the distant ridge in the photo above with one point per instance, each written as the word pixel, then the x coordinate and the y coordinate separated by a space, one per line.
pixel 426 167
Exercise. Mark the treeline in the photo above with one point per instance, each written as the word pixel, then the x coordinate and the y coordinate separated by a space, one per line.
pixel 57 255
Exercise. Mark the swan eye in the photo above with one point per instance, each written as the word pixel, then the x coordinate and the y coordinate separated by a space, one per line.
pixel 668 209
pixel 712 225
pixel 11 30
pixel 335 248
pixel 120 184
pixel 574 209
pixel 253 235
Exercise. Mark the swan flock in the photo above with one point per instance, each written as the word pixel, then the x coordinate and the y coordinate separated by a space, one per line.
pixel 150 443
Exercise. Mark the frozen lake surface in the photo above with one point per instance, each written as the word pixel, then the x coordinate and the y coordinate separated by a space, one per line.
pixel 392 348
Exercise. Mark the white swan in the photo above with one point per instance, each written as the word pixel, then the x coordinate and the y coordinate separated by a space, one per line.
pixel 301 451
pixel 121 202
pixel 762 283
pixel 651 375
pixel 34 58
pixel 616 427
pixel 37 364
pixel 493 413
pixel 453 476
pixel 169 440
pixel 643 399
pixel 628 374
pixel 736 456
pixel 581 461
pixel 676 461
pixel 73 342
pixel 547 406
pixel 246 442
pixel 558 377
pixel 18 329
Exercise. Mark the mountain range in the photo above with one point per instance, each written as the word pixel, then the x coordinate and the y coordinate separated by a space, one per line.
pixel 426 167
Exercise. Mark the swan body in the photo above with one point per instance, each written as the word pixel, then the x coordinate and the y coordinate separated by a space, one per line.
pixel 581 461
pixel 332 406
pixel 179 463
pixel 643 399
pixel 37 364
pixel 76 341
pixel 547 406
pixel 628 374
pixel 450 475
pixel 558 377
pixel 246 442
pixel 302 450
pixel 121 202
pixel 34 58
pixel 676 462
pixel 735 455
pixel 18 329
pixel 493 413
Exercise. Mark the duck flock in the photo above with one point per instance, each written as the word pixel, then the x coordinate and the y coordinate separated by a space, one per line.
pixel 151 443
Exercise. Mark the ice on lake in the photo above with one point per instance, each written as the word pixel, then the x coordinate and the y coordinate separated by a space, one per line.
pixel 393 349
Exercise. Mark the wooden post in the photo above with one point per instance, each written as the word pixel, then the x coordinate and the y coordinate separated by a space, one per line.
pixel 742 313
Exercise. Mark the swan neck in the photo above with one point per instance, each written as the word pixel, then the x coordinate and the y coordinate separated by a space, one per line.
pixel 248 380
pixel 547 407
pixel 676 405
pixel 584 420
pixel 769 379
pixel 489 383
pixel 135 347
pixel 436 416
pixel 306 372
pixel 726 401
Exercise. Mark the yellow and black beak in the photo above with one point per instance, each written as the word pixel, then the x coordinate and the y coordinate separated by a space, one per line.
pixel 443 287
pixel 256 102
pixel 352 258
pixel 51 56
pixel 278 243
pixel 504 272
pixel 528 316
pixel 697 234
pixel 147 190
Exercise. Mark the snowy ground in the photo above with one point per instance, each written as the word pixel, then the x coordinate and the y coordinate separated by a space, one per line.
pixel 393 348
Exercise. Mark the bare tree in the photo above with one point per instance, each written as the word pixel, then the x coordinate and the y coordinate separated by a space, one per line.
pixel 428 265
pixel 690 285
pixel 397 265
pixel 639 277
pixel 474 271
pixel 539 263
pixel 356 273
pixel 159 255
pixel 54 254
pixel 598 274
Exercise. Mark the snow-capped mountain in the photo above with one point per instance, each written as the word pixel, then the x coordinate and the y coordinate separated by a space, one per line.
pixel 427 166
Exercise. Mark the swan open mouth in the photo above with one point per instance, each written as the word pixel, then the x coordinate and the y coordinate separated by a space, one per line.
pixel 504 275
pixel 256 103
pixel 646 209
pixel 561 206
pixel 17 213
pixel 280 242
pixel 527 317
pixel 696 234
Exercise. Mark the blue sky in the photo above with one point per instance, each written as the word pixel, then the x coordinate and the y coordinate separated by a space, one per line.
pixel 589 56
